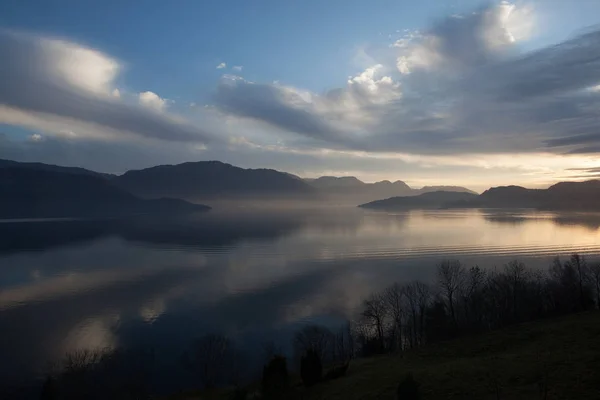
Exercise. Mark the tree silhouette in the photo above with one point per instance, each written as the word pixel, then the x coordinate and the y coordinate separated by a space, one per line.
pixel 451 277
pixel 214 359
pixel 375 313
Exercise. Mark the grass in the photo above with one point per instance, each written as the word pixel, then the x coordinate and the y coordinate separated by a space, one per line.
pixel 559 357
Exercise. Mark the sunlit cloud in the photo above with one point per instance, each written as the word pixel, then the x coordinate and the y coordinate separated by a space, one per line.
pixel 152 100
pixel 50 79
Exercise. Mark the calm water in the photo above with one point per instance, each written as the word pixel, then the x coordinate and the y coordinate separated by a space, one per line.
pixel 255 276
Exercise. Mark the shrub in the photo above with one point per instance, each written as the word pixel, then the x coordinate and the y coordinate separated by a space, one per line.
pixel 239 394
pixel 49 389
pixel 275 375
pixel 311 368
pixel 337 371
pixel 408 389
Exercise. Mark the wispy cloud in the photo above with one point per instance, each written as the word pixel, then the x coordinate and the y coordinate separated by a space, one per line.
pixel 222 65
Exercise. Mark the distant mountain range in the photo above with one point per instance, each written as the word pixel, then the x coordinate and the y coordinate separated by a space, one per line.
pixel 349 189
pixel 42 190
pixel 437 199
pixel 561 196
pixel 53 168
pixel 578 196
pixel 27 192
pixel 213 181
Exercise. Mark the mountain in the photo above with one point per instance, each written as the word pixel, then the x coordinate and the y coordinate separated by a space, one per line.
pixel 511 197
pixel 580 196
pixel 574 196
pixel 208 180
pixel 331 182
pixel 437 199
pixel 48 167
pixel 43 193
pixel 427 189
pixel 348 189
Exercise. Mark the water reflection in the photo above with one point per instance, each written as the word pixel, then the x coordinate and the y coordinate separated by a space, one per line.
pixel 68 285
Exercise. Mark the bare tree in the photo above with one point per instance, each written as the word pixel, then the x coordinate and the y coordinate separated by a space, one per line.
pixel 214 358
pixel 517 276
pixel 316 338
pixel 270 350
pixel 451 277
pixel 595 279
pixel 361 333
pixel 394 297
pixel 423 300
pixel 412 301
pixel 579 264
pixel 344 344
pixel 375 314
pixel 474 282
pixel 101 373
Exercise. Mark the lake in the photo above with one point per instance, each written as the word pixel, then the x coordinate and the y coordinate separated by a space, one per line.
pixel 256 276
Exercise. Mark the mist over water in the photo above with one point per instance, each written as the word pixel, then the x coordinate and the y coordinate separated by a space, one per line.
pixel 253 275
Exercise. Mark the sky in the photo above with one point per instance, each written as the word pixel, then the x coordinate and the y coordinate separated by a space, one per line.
pixel 467 92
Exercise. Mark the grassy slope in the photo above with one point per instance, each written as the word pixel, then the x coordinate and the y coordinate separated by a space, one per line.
pixel 565 352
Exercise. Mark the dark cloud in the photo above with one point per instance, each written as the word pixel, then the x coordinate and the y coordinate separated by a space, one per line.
pixel 558 69
pixel 464 88
pixel 588 176
pixel 272 104
pixel 590 170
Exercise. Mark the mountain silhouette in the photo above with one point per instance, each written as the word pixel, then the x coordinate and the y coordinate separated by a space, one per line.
pixel 213 180
pixel 54 168
pixel 561 196
pixel 426 200
pixel 349 189
pixel 44 193
pixel 442 188
pixel 568 196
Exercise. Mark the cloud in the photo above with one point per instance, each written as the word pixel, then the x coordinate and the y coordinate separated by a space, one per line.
pixel 47 79
pixel 463 86
pixel 459 97
pixel 274 104
pixel 328 117
pixel 237 68
pixel 152 100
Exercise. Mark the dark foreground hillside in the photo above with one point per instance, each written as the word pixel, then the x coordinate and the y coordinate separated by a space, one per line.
pixel 556 358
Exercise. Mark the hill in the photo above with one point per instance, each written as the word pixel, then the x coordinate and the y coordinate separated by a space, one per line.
pixel 426 200
pixel 53 168
pixel 442 188
pixel 508 364
pixel 349 189
pixel 208 180
pixel 558 355
pixel 43 193
pixel 580 196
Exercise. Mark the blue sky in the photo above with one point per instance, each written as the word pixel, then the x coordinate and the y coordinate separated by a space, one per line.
pixel 320 89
